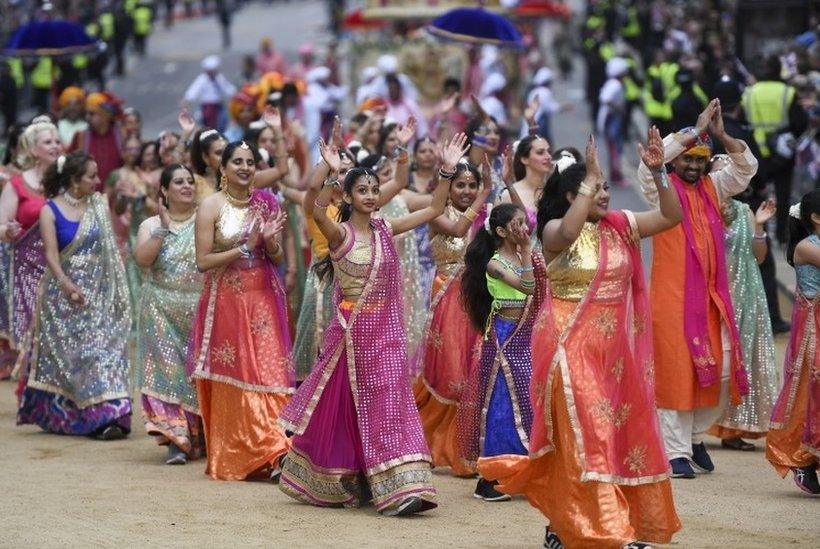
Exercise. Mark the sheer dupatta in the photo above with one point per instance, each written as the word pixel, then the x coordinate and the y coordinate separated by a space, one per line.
pixel 604 353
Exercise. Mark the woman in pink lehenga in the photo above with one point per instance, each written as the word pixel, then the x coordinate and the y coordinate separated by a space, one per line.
pixel 358 434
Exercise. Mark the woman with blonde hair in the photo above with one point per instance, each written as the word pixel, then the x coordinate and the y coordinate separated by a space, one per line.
pixel 20 204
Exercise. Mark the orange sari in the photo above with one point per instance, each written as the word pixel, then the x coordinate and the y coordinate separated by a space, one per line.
pixel 597 467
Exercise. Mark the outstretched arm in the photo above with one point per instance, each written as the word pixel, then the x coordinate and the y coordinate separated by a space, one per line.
pixel 450 156
pixel 669 213
pixel 560 233
pixel 332 231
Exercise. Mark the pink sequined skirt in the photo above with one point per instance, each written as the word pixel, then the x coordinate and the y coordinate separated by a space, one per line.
pixel 325 466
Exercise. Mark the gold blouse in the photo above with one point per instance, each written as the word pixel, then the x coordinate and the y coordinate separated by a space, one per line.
pixel 572 271
pixel 202 188
pixel 351 264
pixel 231 226
pixel 448 251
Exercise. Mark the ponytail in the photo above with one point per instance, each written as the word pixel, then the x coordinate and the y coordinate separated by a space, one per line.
pixel 475 297
pixel 800 225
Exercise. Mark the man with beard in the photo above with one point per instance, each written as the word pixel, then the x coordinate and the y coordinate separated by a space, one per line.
pixel 698 359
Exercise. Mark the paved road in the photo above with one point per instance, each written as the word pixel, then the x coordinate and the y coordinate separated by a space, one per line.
pixel 155 85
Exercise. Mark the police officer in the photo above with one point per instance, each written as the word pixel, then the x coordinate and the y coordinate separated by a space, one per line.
pixel 777 119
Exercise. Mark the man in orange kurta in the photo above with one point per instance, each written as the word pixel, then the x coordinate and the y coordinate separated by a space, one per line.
pixel 687 405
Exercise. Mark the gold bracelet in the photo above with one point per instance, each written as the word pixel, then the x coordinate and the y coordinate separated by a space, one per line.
pixel 586 190
pixel 470 214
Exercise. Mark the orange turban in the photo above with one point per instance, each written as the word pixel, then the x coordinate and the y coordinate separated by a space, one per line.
pixel 247 96
pixel 71 93
pixel 103 102
pixel 372 103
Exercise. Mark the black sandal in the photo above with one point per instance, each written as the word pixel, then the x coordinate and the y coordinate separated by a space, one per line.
pixel 737 444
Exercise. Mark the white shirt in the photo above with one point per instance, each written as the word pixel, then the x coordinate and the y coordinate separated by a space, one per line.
pixel 205 90
pixel 612 99
pixel 495 108
pixel 401 111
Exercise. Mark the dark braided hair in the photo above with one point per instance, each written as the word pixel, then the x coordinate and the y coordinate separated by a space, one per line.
pixel 553 203
pixel 57 180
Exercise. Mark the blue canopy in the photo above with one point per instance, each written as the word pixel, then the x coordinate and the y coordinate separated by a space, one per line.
pixel 475 26
pixel 51 38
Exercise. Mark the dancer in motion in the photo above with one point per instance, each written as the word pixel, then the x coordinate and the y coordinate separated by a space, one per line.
pixel 20 204
pixel 499 293
pixel 76 380
pixel 165 249
pixel 793 442
pixel 358 434
pixel 239 351
pixel 745 247
pixel 596 467
pixel 698 350
pixel 450 338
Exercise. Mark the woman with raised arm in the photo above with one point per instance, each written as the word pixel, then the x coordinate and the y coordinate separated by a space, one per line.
pixel 531 166
pixel 450 339
pixel 165 249
pixel 502 300
pixel 317 304
pixel 354 418
pixel 398 202
pixel 240 350
pixel 75 376
pixel 597 468
pixel 745 240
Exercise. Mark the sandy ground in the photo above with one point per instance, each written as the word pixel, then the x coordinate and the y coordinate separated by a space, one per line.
pixel 62 491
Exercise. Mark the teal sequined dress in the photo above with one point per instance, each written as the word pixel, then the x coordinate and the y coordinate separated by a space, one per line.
pixel 751 417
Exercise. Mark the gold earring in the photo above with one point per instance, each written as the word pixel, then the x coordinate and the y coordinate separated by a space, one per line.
pixel 223 181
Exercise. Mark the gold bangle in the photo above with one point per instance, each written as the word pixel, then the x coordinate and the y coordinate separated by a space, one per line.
pixel 470 214
pixel 586 190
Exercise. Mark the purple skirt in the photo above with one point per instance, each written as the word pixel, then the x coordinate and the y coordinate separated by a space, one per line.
pixel 58 414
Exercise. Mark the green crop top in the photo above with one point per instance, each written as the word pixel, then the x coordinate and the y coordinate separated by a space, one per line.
pixel 503 294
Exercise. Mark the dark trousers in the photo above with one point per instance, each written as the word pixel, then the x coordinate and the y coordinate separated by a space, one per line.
pixel 768 272
pixel 779 174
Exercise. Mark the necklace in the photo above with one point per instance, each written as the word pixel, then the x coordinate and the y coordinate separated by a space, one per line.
pixel 73 201
pixel 183 220
pixel 236 201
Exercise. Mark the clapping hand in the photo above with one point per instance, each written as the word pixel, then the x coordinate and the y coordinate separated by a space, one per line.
pixel 765 211
pixel 652 155
pixel 705 117
pixel 274 226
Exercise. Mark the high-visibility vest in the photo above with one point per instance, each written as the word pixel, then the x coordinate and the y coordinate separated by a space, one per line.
pixel 594 22
pixel 766 105
pixel 129 6
pixel 142 20
pixel 107 26
pixel 653 107
pixel 632 28
pixel 41 76
pixel 607 51
pixel 80 60
pixel 16 69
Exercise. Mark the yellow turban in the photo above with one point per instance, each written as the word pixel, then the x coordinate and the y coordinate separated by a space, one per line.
pixel 71 93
